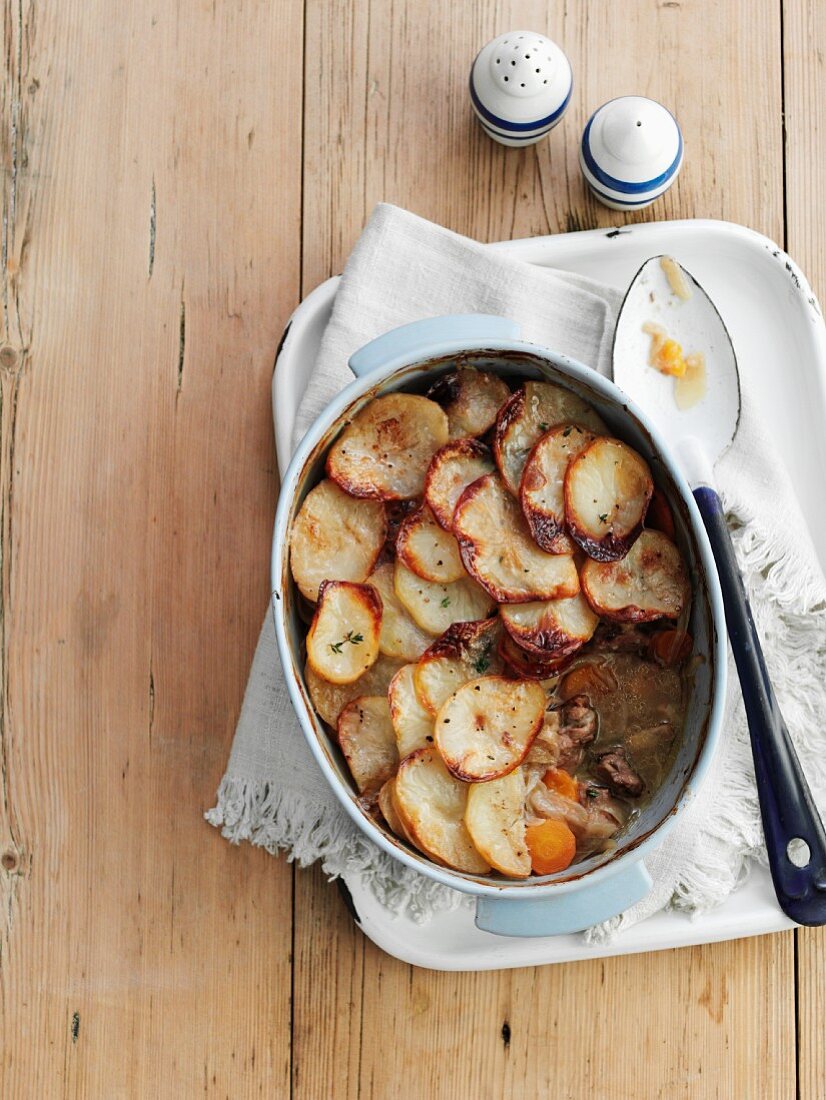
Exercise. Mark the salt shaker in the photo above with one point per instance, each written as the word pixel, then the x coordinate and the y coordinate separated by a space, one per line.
pixel 631 152
pixel 520 85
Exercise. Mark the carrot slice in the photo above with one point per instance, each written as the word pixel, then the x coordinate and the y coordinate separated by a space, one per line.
pixel 557 779
pixel 552 846
pixel 670 647
pixel 593 680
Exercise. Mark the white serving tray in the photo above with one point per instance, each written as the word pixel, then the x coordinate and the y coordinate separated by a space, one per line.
pixel 780 340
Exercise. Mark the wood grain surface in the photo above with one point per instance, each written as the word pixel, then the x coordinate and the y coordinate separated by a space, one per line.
pixel 804 54
pixel 175 177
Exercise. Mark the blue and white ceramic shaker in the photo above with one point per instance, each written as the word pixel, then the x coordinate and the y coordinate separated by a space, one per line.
pixel 631 152
pixel 520 85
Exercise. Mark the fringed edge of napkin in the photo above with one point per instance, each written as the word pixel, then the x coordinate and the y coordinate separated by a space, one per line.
pixel 277 821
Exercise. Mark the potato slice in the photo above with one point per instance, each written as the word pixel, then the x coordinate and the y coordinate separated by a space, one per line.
pixel 471 398
pixel 431 805
pixel 343 639
pixel 412 723
pixel 529 413
pixel 541 491
pixel 528 665
pixel 334 537
pixel 486 727
pixel 607 490
pixel 387 805
pixel 651 582
pixel 551 628
pixel 498 550
pixel 428 550
pixel 330 700
pixel 464 651
pixel 435 606
pixel 496 822
pixel 400 636
pixel 366 737
pixel 452 469
pixel 386 449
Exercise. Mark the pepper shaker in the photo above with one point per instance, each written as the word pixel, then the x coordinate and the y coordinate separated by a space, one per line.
pixel 520 86
pixel 631 152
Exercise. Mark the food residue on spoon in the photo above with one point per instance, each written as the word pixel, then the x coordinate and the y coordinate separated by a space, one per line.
pixel 665 354
pixel 688 371
pixel 691 387
pixel 676 277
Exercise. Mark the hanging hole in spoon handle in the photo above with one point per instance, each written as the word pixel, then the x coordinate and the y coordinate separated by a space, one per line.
pixel 795 837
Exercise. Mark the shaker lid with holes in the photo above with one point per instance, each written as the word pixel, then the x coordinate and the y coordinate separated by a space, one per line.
pixel 632 150
pixel 520 84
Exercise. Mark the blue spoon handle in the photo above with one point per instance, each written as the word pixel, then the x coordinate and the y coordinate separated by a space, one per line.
pixel 786 805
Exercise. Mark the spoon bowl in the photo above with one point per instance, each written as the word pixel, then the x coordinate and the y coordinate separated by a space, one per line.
pixel 696 325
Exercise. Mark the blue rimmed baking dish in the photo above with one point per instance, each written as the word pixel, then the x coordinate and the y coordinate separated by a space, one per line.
pixel 412 358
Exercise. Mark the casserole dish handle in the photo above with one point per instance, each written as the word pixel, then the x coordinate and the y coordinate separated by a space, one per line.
pixel 565 913
pixel 424 337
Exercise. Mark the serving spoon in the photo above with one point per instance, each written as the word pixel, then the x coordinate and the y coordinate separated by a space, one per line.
pixel 699 434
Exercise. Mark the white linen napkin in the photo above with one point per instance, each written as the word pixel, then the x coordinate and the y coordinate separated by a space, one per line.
pixel 404 268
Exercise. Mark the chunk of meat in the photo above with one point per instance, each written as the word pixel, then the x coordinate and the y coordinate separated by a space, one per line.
pixel 613 768
pixel 606 815
pixel 577 728
pixel 652 751
pixel 545 749
pixel 618 638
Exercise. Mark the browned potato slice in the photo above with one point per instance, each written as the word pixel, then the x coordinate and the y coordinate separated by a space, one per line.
pixel 366 737
pixel 435 606
pixel 428 550
pixel 343 639
pixel 412 723
pixel 529 665
pixel 498 550
pixel 471 398
pixel 651 582
pixel 486 727
pixel 530 412
pixel 551 628
pixel 496 822
pixel 334 537
pixel 330 699
pixel 464 651
pixel 541 491
pixel 389 812
pixel 387 805
pixel 431 805
pixel 385 451
pixel 453 468
pixel 607 490
pixel 400 636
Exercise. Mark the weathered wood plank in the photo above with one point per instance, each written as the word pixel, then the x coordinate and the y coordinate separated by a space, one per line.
pixel 804 55
pixel 151 207
pixel 670 1024
pixel 387 119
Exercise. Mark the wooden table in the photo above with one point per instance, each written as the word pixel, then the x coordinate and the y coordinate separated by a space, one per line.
pixel 176 175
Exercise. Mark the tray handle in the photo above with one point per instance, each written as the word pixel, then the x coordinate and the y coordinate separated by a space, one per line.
pixel 565 913
pixel 424 337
